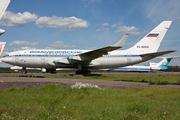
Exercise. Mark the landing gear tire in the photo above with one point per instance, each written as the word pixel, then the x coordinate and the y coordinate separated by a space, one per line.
pixel 78 72
pixel 24 72
pixel 86 72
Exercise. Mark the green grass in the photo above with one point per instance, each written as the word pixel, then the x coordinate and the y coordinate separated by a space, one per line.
pixel 54 102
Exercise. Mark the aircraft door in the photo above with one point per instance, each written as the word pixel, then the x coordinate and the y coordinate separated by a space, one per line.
pixel 43 61
pixel 128 58
pixel 17 61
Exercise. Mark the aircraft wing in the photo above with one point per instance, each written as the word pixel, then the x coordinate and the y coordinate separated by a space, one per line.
pixel 93 54
pixel 90 55
pixel 3 5
pixel 155 54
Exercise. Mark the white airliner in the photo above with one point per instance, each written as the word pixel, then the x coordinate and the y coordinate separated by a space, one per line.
pixel 161 66
pixel 3 5
pixel 103 58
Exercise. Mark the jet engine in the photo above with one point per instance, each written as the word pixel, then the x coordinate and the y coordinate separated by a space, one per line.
pixel 44 70
pixel 2 31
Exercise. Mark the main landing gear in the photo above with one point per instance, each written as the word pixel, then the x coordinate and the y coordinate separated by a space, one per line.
pixel 82 71
pixel 24 71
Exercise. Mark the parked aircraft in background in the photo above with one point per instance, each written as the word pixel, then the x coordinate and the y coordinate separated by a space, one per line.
pixel 3 6
pixel 103 58
pixel 21 69
pixel 161 66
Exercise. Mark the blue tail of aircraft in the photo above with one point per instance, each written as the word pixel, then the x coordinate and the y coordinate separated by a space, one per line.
pixel 164 63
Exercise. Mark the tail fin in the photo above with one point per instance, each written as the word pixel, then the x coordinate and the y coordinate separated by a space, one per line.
pixel 2 45
pixel 152 41
pixel 3 5
pixel 163 64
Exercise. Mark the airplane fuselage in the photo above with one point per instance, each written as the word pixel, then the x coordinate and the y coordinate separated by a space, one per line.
pixel 41 58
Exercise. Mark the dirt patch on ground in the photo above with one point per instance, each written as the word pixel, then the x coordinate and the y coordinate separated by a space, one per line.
pixel 39 81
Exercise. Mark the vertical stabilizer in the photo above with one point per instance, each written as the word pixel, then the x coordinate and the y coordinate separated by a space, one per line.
pixel 152 41
pixel 3 5
pixel 162 64
pixel 2 45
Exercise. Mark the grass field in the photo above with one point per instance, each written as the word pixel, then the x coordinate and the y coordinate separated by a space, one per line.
pixel 54 102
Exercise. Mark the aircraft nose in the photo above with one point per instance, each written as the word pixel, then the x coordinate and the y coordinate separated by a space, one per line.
pixel 5 59
pixel 2 31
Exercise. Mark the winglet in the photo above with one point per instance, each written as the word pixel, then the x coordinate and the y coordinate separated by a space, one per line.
pixel 122 41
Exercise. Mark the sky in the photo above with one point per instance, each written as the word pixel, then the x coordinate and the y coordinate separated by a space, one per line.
pixel 88 24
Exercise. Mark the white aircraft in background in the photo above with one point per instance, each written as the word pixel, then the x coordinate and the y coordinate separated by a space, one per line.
pixel 3 6
pixel 103 58
pixel 21 69
pixel 161 66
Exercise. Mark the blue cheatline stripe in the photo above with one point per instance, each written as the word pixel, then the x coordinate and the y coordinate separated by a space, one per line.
pixel 128 68
pixel 70 56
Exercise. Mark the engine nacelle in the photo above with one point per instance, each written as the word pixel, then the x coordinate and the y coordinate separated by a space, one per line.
pixel 2 31
pixel 44 70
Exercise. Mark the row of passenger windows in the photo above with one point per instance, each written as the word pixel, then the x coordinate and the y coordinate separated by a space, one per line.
pixel 69 55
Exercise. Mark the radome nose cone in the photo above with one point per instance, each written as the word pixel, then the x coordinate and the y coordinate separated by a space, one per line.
pixel 2 31
pixel 5 59
pixel 2 59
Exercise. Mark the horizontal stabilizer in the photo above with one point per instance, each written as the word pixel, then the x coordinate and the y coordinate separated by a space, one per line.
pixel 155 54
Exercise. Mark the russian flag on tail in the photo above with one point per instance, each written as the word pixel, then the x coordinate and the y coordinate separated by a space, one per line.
pixel 152 35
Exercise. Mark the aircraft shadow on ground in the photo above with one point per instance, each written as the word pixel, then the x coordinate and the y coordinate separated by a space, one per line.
pixel 164 83
pixel 85 74
pixel 31 76
pixel 142 81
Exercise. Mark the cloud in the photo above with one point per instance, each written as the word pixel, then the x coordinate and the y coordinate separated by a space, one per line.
pixel 20 19
pixel 161 10
pixel 179 18
pixel 5 52
pixel 23 48
pixel 23 43
pixel 98 30
pixel 60 44
pixel 128 30
pixel 69 23
pixel 105 24
pixel 113 26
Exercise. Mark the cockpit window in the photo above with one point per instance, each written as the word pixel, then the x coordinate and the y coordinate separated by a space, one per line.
pixel 6 55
